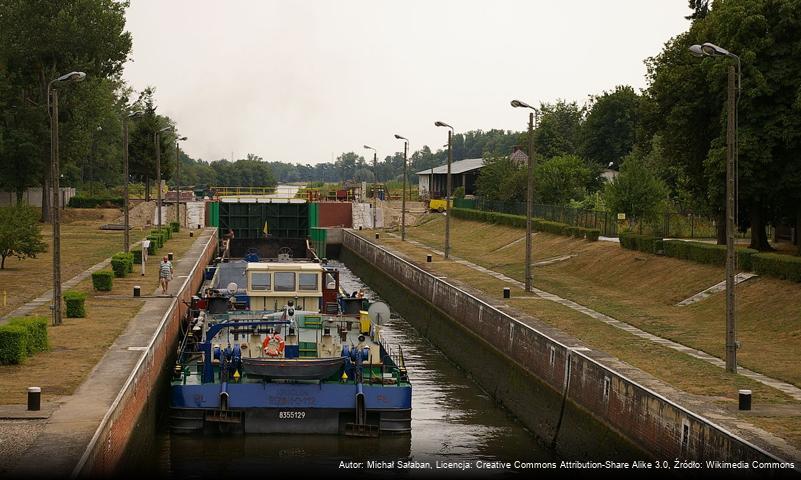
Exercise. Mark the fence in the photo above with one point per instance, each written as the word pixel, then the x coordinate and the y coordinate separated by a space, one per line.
pixel 669 225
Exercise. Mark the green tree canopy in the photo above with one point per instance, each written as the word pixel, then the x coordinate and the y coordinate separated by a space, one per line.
pixel 19 233
pixel 637 191
pixel 609 132
pixel 561 179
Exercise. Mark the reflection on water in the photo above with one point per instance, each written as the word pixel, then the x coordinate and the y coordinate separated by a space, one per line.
pixel 452 420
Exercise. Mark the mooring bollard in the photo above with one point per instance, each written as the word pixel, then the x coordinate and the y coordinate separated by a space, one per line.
pixel 198 226
pixel 507 292
pixel 428 258
pixel 137 291
pixel 170 256
pixel 360 227
pixel 376 236
pixel 191 234
pixel 745 399
pixel 34 398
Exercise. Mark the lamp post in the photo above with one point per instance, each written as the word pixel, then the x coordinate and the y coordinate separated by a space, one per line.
pixel 157 143
pixel 529 188
pixel 126 237
pixel 375 180
pixel 52 97
pixel 178 181
pixel 712 50
pixel 403 195
pixel 447 189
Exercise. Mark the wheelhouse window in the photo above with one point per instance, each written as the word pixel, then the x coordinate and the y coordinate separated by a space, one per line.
pixel 307 281
pixel 259 281
pixel 284 282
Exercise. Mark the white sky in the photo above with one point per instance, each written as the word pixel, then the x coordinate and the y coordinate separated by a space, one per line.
pixel 300 80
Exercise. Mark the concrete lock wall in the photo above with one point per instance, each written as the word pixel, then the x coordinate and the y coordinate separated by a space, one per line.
pixel 605 413
pixel 108 445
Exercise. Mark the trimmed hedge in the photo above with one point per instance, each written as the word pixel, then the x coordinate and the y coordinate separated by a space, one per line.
pixel 137 255
pixel 777 265
pixel 175 226
pixel 519 221
pixel 13 344
pixel 122 264
pixel 154 244
pixel 167 232
pixel 75 304
pixel 35 333
pixel 94 202
pixel 642 243
pixel 103 280
pixel 708 253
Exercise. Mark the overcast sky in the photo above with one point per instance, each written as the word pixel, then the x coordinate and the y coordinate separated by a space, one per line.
pixel 300 81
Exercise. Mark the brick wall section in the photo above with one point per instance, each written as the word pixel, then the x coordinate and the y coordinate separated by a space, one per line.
pixel 108 445
pixel 642 416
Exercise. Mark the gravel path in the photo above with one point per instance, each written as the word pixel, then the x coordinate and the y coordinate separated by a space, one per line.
pixel 15 437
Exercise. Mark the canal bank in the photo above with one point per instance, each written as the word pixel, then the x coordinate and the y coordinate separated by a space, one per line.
pixel 525 363
pixel 88 433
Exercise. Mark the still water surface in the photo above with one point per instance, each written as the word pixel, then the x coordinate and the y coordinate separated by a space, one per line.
pixel 452 420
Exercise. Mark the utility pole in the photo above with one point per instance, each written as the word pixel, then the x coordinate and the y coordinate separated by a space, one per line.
pixel 126 237
pixel 56 214
pixel 448 198
pixel 529 198
pixel 403 195
pixel 731 338
pixel 178 180
pixel 158 177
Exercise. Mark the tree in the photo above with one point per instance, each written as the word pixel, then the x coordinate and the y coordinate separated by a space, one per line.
pixel 690 94
pixel 609 132
pixel 558 130
pixel 561 179
pixel 40 40
pixel 19 233
pixel 637 192
pixel 700 9
pixel 500 179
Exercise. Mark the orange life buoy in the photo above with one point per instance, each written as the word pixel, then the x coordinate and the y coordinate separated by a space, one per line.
pixel 273 345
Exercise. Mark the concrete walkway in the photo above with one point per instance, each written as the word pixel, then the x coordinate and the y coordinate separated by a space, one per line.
pixel 785 387
pixel 58 449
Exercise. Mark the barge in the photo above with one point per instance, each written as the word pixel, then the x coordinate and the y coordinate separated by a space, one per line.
pixel 277 347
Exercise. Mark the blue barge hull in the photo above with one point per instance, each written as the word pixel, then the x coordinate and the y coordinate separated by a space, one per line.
pixel 288 407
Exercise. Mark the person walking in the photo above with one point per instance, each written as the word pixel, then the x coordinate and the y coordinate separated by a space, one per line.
pixel 165 273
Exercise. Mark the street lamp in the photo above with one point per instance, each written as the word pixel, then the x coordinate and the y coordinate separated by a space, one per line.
pixel 530 187
pixel 447 190
pixel 158 171
pixel 403 195
pixel 52 100
pixel 126 238
pixel 375 180
pixel 712 50
pixel 178 181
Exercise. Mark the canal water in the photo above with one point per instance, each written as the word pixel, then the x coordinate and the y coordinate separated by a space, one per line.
pixel 453 420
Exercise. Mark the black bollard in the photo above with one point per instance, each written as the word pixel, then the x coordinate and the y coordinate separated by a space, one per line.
pixel 428 258
pixel 137 291
pixel 191 234
pixel 34 398
pixel 170 256
pixel 376 236
pixel 507 292
pixel 745 399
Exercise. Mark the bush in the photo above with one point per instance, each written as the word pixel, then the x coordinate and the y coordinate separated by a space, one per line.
pixel 119 264
pixel 593 234
pixel 167 232
pixel 103 280
pixel 642 243
pixel 175 226
pixel 137 255
pixel 707 253
pixel 75 304
pixel 777 265
pixel 94 202
pixel 35 333
pixel 154 244
pixel 519 221
pixel 13 344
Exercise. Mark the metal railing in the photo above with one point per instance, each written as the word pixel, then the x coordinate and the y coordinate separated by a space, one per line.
pixel 667 225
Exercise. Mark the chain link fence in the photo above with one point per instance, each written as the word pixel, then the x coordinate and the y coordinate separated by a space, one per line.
pixel 668 225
